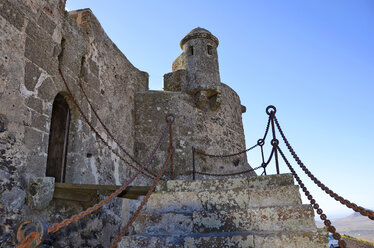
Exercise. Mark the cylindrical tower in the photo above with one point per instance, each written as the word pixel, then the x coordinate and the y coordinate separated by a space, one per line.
pixel 201 61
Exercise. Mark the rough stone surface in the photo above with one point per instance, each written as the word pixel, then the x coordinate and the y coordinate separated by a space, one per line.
pixel 311 239
pixel 40 192
pixel 222 184
pixel 214 132
pixel 223 199
pixel 13 199
pixel 231 220
pixel 38 39
pixel 200 60
pixel 283 218
pixel 256 214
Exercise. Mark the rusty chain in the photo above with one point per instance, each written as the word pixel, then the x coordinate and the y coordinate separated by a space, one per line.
pixel 228 174
pixel 314 204
pixel 109 133
pixel 267 128
pixel 263 165
pixel 170 118
pixel 34 238
pixel 225 156
pixel 96 132
pixel 361 210
pixel 260 143
pixel 97 206
pixel 145 200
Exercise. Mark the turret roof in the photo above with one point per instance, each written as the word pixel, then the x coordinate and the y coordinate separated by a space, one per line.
pixel 199 33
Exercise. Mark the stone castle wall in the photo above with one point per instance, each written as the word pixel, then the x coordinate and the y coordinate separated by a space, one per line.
pixel 36 38
pixel 214 132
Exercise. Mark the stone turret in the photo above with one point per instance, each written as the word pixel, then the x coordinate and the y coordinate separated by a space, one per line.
pixel 196 70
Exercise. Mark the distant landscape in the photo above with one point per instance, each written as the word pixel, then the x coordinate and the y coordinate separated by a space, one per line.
pixel 355 225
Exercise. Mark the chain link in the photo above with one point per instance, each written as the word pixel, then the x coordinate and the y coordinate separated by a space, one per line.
pixel 96 132
pixel 228 174
pixel 263 165
pixel 267 128
pixel 90 210
pixel 225 156
pixel 109 133
pixel 314 204
pixel 363 211
pixel 145 200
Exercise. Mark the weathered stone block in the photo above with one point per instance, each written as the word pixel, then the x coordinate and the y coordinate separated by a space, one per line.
pixel 186 202
pixel 306 239
pixel 151 242
pixel 239 198
pixel 47 90
pixel 32 74
pixel 250 198
pixel 39 55
pixel 12 14
pixel 280 218
pixel 164 224
pixel 35 104
pixel 36 163
pixel 229 183
pixel 39 121
pixel 39 34
pixel 13 199
pixel 92 82
pixel 46 23
pixel 40 192
pixel 32 138
pixel 175 81
pixel 94 68
pixel 239 241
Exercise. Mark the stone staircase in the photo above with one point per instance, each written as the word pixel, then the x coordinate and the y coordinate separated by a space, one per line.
pixel 256 212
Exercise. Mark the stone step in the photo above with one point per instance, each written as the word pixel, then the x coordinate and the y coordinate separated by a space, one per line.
pixel 151 241
pixel 188 202
pixel 290 239
pixel 228 183
pixel 276 218
pixel 300 239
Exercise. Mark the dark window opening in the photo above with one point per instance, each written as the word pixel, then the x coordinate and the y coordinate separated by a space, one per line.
pixel 190 50
pixel 210 50
pixel 58 139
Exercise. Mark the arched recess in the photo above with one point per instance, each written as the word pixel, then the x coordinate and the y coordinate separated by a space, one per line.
pixel 58 139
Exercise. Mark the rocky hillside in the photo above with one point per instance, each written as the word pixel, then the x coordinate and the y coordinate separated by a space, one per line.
pixel 354 225
pixel 353 243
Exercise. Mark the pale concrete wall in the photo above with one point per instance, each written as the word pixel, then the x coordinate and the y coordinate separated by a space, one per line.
pixel 31 32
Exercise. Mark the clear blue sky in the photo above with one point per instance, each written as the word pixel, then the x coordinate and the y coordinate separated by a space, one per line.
pixel 313 60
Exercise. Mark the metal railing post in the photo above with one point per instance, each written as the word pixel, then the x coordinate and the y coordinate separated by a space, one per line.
pixel 170 118
pixel 193 164
pixel 271 110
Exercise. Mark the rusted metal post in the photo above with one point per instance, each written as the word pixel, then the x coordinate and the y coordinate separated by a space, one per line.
pixel 171 152
pixel 271 110
pixel 170 118
pixel 193 164
pixel 275 143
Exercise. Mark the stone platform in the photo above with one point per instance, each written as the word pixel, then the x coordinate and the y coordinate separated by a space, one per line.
pixel 256 212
